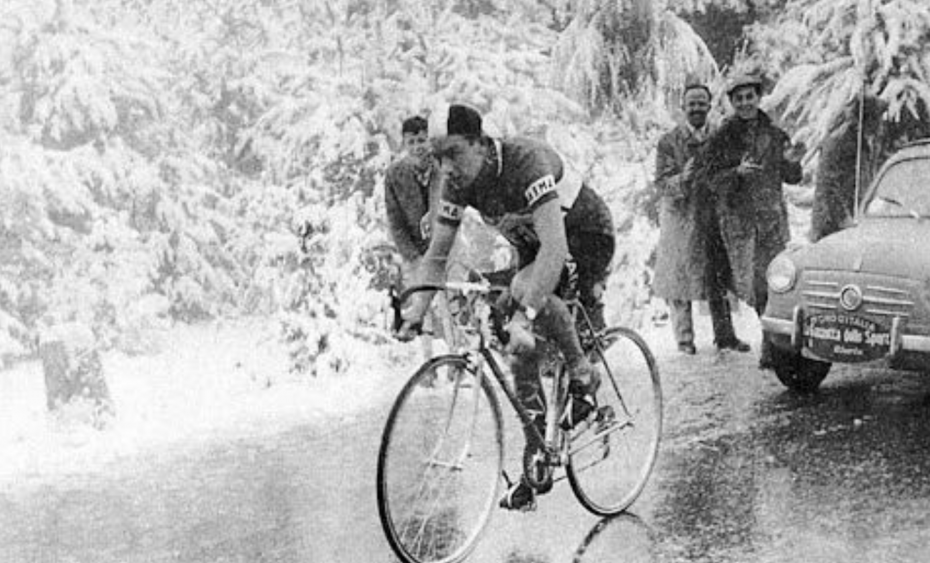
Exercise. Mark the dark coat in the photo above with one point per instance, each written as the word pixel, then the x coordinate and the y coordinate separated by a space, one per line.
pixel 681 255
pixel 752 210
pixel 407 201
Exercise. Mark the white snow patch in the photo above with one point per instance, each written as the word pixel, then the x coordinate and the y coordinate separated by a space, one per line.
pixel 211 381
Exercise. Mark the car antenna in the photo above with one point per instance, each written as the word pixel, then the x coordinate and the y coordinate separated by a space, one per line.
pixel 859 142
pixel 861 134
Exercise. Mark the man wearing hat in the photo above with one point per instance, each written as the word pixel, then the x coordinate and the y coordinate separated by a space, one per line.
pixel 690 261
pixel 747 160
pixel 560 228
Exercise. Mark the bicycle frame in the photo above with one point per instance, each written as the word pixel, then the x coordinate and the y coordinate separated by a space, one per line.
pixel 552 442
pixel 415 509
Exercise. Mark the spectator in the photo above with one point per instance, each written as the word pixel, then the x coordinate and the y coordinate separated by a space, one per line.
pixel 840 158
pixel 690 263
pixel 747 160
pixel 411 189
pixel 410 184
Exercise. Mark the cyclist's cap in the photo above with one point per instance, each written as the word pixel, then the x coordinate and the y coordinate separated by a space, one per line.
pixel 455 119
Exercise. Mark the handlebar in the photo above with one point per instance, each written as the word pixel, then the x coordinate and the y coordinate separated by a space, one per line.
pixel 398 299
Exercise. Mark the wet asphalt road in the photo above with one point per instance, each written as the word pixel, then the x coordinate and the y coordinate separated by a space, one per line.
pixel 747 473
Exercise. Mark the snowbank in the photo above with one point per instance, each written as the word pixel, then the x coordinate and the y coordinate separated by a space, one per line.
pixel 211 381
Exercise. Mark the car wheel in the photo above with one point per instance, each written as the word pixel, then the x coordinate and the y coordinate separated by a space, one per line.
pixel 798 373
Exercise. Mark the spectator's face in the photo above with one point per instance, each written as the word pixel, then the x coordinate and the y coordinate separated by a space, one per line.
pixel 459 159
pixel 696 106
pixel 417 144
pixel 745 101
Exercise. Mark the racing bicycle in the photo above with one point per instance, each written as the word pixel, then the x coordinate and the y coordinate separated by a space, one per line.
pixel 440 464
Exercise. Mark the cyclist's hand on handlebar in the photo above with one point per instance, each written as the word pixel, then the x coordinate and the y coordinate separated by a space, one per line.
pixel 412 317
pixel 408 331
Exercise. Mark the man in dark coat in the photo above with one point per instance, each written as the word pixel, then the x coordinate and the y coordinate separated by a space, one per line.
pixel 842 154
pixel 690 262
pixel 747 160
pixel 411 183
pixel 411 191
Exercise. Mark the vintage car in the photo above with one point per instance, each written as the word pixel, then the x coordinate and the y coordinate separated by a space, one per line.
pixel 861 294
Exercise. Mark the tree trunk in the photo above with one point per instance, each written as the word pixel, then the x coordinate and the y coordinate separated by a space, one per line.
pixel 76 391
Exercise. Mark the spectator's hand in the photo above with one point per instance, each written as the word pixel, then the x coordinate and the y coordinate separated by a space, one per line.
pixel 426 226
pixel 748 167
pixel 688 172
pixel 795 152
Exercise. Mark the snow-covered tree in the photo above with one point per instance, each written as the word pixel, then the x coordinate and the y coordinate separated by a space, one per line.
pixel 826 53
pixel 159 156
pixel 614 52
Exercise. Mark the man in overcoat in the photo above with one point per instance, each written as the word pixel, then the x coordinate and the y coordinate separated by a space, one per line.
pixel 747 159
pixel 691 264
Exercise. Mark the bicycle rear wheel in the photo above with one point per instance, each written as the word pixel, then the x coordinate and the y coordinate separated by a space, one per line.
pixel 440 462
pixel 611 459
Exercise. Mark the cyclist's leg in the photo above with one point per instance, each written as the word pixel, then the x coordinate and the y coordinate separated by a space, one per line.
pixel 555 322
pixel 525 369
pixel 594 254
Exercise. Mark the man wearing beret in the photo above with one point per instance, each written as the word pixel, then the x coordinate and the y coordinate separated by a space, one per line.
pixel 560 228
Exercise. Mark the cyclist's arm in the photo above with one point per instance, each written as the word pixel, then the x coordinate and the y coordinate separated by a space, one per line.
pixel 549 224
pixel 433 266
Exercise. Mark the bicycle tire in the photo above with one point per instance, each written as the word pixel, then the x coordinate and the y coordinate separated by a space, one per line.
pixel 610 461
pixel 433 510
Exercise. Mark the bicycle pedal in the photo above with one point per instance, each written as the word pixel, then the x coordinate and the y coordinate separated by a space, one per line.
pixel 520 496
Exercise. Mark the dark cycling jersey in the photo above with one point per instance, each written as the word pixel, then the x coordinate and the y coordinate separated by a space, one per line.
pixel 520 175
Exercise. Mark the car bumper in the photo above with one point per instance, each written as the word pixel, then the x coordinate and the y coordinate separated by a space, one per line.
pixel 791 328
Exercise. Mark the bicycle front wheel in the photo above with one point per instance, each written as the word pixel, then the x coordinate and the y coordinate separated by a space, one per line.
pixel 440 462
pixel 611 459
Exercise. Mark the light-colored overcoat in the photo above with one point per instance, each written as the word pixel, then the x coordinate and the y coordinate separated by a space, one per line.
pixel 681 255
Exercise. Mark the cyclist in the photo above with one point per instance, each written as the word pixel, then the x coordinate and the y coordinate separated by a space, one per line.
pixel 562 231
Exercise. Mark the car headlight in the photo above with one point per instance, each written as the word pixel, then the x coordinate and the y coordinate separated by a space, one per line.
pixel 781 274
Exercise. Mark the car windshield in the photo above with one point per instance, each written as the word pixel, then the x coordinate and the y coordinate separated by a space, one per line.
pixel 903 191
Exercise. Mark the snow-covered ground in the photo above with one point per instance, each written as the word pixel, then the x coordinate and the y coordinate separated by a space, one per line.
pixel 211 381
pixel 214 382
